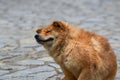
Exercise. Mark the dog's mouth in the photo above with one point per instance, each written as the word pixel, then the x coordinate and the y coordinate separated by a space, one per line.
pixel 39 39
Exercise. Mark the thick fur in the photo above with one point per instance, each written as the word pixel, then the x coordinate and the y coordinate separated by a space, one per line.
pixel 82 55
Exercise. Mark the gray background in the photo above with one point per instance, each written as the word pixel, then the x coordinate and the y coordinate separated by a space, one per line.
pixel 21 58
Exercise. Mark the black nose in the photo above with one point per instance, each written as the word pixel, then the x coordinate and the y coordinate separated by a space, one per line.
pixel 36 36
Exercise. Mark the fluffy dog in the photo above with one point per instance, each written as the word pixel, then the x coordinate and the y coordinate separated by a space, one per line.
pixel 82 55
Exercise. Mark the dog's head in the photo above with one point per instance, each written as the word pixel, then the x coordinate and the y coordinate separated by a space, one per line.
pixel 48 35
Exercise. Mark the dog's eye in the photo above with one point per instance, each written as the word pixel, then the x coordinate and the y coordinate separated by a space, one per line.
pixel 48 31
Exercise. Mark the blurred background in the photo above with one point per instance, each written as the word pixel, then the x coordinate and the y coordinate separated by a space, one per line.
pixel 21 58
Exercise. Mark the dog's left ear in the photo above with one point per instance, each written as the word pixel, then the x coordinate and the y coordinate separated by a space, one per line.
pixel 59 25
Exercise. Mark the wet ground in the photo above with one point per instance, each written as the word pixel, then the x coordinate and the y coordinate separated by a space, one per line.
pixel 21 58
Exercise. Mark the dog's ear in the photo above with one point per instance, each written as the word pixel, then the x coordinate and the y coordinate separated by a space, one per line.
pixel 59 25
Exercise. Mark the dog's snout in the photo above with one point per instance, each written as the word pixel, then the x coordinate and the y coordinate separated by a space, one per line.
pixel 38 37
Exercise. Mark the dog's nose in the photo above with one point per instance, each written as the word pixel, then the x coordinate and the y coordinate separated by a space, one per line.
pixel 36 36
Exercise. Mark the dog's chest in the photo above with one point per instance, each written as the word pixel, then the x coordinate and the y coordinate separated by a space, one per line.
pixel 72 64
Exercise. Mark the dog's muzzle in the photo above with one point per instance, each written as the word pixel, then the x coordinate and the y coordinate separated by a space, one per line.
pixel 39 39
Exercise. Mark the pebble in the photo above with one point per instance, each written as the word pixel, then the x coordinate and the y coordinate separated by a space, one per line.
pixel 30 62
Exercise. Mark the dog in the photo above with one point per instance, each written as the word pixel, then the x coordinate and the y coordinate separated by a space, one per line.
pixel 82 55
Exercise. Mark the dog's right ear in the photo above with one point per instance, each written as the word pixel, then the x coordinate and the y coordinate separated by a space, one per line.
pixel 58 25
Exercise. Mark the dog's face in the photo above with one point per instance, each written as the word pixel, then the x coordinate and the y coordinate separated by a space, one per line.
pixel 48 35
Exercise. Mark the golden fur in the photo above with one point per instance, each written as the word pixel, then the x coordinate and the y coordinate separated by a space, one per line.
pixel 82 55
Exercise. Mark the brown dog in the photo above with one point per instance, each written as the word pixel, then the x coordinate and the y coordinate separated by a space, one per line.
pixel 82 55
